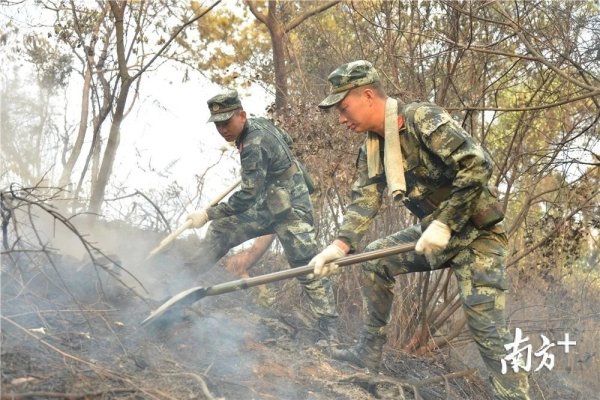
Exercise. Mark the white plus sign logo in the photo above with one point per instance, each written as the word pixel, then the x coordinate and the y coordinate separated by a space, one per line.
pixel 566 343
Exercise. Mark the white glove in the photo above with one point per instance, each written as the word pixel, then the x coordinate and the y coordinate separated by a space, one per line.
pixel 434 239
pixel 322 261
pixel 198 218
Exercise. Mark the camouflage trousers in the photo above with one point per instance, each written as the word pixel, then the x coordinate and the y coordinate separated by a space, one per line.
pixel 480 272
pixel 295 233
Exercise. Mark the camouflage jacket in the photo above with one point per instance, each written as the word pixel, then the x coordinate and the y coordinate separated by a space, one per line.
pixel 438 154
pixel 265 153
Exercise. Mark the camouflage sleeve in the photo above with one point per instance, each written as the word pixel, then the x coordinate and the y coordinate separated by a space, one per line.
pixel 366 201
pixel 473 168
pixel 254 171
pixel 286 137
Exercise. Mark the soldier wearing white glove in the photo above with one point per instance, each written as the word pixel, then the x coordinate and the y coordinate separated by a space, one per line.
pixel 322 262
pixel 434 239
pixel 198 218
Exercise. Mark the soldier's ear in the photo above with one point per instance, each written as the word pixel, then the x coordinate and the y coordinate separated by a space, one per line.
pixel 369 94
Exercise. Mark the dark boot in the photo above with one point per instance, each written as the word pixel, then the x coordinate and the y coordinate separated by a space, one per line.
pixel 327 327
pixel 366 354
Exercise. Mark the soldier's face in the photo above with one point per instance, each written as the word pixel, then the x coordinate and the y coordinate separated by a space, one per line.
pixel 355 111
pixel 231 129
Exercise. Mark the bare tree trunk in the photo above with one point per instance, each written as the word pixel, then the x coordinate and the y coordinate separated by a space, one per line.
pixel 36 163
pixel 89 63
pixel 83 119
pixel 118 11
pixel 96 150
pixel 99 188
pixel 277 30
pixel 281 87
pixel 94 153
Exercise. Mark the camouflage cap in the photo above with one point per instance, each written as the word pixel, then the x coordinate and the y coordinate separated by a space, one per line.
pixel 347 77
pixel 223 105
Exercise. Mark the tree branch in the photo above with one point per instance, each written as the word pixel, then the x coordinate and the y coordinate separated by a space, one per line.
pixel 532 108
pixel 501 10
pixel 100 370
pixel 530 250
pixel 118 10
pixel 173 36
pixel 301 18
pixel 259 15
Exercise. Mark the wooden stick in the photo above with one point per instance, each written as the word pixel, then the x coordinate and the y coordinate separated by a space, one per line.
pixel 188 224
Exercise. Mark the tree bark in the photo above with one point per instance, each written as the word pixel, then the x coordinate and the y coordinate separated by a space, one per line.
pixel 65 178
pixel 99 187
pixel 278 30
pixel 281 75
pixel 83 119
pixel 118 10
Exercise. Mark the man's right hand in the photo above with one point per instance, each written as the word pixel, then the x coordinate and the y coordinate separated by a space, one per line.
pixel 434 239
pixel 198 218
pixel 322 262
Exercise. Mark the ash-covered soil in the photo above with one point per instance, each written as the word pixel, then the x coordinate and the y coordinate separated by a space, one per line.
pixel 86 342
pixel 70 330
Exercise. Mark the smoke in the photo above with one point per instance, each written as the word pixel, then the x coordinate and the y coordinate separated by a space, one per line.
pixel 84 306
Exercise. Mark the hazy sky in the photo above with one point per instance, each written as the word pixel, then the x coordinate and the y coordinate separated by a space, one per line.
pixel 167 123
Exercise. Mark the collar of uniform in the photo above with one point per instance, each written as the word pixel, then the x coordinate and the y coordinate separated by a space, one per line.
pixel 240 138
pixel 401 129
pixel 401 114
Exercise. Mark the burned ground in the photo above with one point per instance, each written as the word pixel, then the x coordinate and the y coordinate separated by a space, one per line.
pixel 70 329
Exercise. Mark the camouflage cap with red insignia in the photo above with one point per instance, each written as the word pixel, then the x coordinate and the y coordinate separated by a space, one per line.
pixel 223 105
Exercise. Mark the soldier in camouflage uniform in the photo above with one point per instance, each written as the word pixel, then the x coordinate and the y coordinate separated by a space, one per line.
pixel 446 186
pixel 273 198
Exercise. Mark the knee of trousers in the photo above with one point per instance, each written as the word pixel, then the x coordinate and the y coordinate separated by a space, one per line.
pixel 374 273
pixel 218 230
pixel 376 266
pixel 223 234
pixel 212 247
